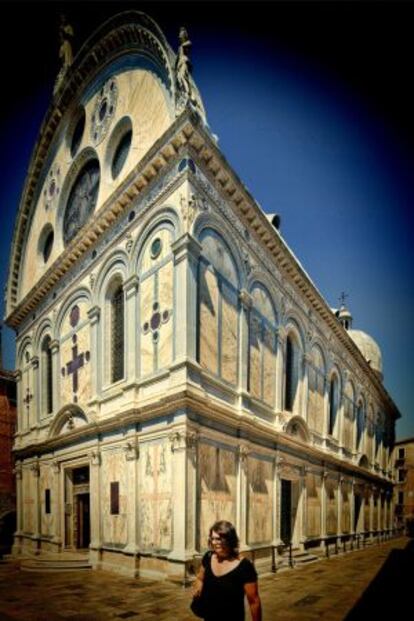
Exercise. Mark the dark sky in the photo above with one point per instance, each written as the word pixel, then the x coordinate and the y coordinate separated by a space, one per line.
pixel 313 106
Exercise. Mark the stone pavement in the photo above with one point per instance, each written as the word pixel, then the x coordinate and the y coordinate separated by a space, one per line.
pixel 364 584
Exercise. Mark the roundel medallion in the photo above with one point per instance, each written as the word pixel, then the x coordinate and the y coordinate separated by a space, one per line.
pixel 82 200
pixel 104 110
pixel 51 188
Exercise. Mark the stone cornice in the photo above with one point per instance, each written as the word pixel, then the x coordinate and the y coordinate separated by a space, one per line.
pixel 256 430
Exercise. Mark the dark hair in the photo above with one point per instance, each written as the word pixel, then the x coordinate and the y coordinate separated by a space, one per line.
pixel 228 534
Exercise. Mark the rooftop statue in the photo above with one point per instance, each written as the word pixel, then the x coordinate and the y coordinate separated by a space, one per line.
pixel 65 51
pixel 183 68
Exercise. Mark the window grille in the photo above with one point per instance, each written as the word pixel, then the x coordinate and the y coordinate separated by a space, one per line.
pixel 117 335
pixel 289 375
pixel 49 379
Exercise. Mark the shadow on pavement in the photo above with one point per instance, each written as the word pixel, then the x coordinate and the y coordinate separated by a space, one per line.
pixel 391 591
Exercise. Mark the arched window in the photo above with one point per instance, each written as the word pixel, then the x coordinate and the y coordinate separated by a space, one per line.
pixel 316 388
pixel 47 377
pixel 333 404
pixel 349 417
pixel 218 309
pixel 292 375
pixel 360 425
pixel 117 333
pixel 262 347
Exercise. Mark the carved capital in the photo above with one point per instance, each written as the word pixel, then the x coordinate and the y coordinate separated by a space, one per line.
pixel 181 440
pixel 280 461
pixel 54 346
pixel 246 299
pixel 95 458
pixel 18 471
pixel 131 285
pixel 186 246
pixel 18 375
pixel 131 451
pixel 35 468
pixel 243 451
pixel 35 362
pixel 325 475
pixel 55 467
pixel 94 313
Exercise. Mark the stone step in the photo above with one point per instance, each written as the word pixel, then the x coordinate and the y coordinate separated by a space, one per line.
pixel 54 564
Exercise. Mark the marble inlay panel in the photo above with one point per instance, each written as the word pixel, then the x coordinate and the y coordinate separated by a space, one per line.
pixel 28 485
pixel 313 496
pixel 255 357
pixel 165 297
pixel 155 502
pixel 269 369
pixel 260 509
pixel 147 347
pixel 114 470
pixel 346 508
pixel 208 320
pixel 217 470
pixel 331 488
pixel 46 482
pixel 229 343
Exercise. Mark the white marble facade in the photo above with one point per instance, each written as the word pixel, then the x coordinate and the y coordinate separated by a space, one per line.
pixel 219 385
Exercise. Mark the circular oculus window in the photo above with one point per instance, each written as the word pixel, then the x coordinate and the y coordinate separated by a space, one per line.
pixel 82 200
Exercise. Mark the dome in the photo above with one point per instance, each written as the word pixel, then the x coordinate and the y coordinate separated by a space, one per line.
pixel 369 349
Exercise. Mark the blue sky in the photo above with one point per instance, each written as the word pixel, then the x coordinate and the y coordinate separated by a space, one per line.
pixel 313 114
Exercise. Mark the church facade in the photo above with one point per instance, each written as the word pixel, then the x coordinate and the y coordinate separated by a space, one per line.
pixel 176 364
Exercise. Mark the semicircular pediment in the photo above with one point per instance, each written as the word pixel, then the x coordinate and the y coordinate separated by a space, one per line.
pixel 69 418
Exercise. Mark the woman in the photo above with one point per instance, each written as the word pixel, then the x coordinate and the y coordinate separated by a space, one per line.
pixel 225 578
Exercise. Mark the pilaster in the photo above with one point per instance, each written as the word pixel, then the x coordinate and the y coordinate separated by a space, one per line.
pixel 131 452
pixel 242 504
pixel 54 348
pixel 56 502
pixel 280 369
pixel 183 447
pixel 246 303
pixel 131 288
pixel 95 508
pixel 186 252
pixel 35 469
pixel 323 504
pixel 35 404
pixel 94 315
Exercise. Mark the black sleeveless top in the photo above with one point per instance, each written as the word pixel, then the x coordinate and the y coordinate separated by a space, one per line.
pixel 224 595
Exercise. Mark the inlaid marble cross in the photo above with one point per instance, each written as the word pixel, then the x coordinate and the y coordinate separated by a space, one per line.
pixel 73 366
pixel 158 317
pixel 27 399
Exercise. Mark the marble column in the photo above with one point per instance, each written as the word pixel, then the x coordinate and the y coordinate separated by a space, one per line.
pixel 278 499
pixel 186 252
